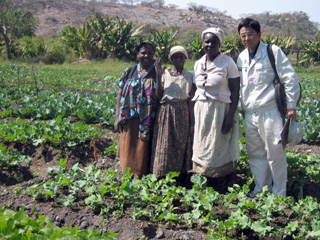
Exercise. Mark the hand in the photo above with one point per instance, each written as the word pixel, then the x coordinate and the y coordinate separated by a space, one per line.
pixel 243 113
pixel 227 124
pixel 117 126
pixel 292 113
pixel 158 67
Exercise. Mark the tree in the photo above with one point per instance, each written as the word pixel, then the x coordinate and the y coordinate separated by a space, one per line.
pixel 153 3
pixel 15 22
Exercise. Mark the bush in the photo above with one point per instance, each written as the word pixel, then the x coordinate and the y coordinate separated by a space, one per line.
pixel 56 52
pixel 53 57
pixel 28 47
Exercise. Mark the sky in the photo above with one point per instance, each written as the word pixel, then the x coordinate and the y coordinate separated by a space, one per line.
pixel 238 8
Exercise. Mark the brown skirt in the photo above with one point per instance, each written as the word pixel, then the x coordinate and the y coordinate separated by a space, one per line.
pixel 132 151
pixel 171 145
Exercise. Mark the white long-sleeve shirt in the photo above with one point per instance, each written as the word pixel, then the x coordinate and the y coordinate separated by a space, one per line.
pixel 256 79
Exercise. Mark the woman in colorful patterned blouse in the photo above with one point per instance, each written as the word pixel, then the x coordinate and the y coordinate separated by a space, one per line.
pixel 171 145
pixel 135 111
pixel 216 130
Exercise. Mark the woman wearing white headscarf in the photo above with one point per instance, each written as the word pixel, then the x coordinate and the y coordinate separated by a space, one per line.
pixel 216 131
pixel 171 148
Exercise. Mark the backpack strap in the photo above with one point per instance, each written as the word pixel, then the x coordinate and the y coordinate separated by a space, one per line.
pixel 278 87
pixel 272 61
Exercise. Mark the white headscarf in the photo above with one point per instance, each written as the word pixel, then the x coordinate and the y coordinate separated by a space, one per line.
pixel 177 49
pixel 216 31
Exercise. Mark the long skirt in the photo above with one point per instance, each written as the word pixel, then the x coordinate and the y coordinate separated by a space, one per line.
pixel 132 151
pixel 214 153
pixel 171 145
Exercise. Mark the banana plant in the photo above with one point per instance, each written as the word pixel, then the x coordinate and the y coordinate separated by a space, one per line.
pixel 100 37
pixel 285 43
pixel 311 54
pixel 195 49
pixel 232 45
pixel 122 37
pixel 164 41
pixel 69 37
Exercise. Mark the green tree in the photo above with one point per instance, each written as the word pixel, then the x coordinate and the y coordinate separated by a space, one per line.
pixel 28 47
pixel 15 22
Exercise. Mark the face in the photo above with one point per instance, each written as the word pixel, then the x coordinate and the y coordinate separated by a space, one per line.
pixel 145 55
pixel 211 44
pixel 250 38
pixel 178 60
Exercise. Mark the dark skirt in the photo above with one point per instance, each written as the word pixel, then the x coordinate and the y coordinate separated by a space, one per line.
pixel 171 145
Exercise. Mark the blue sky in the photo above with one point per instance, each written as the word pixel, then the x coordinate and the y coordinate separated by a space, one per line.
pixel 236 8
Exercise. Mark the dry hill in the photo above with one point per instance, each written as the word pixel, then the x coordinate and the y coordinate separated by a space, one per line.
pixel 55 14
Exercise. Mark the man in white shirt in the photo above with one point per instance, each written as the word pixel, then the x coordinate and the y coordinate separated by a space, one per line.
pixel 263 122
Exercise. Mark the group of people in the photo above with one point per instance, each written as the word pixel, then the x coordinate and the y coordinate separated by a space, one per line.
pixel 175 120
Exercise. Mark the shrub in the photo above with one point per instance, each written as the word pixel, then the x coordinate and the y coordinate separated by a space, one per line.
pixel 28 47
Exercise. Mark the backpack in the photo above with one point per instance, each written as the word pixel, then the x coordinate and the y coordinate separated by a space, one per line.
pixel 279 88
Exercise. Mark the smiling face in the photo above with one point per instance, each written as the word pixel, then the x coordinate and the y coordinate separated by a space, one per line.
pixel 250 38
pixel 145 56
pixel 211 44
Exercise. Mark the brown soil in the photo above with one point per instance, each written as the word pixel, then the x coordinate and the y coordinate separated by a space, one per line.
pixel 127 228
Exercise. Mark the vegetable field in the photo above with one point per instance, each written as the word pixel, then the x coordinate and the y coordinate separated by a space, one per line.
pixel 60 178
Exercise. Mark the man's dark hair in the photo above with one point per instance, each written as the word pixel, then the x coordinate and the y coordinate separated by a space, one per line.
pixel 249 22
pixel 146 44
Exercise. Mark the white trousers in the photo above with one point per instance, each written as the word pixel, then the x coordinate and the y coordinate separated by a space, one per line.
pixel 266 155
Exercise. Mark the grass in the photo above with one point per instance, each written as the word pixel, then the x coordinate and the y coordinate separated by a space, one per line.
pixel 312 72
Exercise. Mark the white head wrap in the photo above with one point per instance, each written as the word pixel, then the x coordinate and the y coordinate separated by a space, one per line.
pixel 216 31
pixel 178 49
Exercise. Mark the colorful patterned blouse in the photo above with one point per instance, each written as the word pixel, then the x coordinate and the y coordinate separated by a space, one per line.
pixel 138 98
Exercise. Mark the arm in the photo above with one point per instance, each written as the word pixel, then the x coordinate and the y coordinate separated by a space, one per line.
pixel 116 121
pixel 234 85
pixel 191 107
pixel 159 73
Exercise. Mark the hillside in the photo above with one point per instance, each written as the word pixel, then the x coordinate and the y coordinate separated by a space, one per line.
pixel 53 15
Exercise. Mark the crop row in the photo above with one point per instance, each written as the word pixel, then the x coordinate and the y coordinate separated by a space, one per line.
pixel 161 200
pixel 101 108
pixel 61 79
pixel 309 115
pixel 9 159
pixel 17 225
pixel 27 101
pixel 56 132
pixel 51 104
pixel 310 87
pixel 303 169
